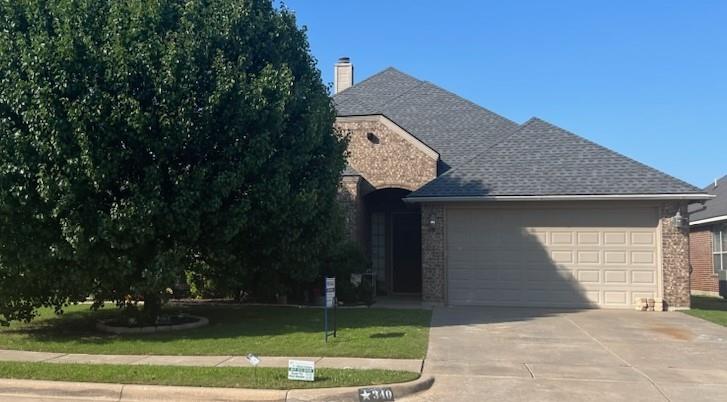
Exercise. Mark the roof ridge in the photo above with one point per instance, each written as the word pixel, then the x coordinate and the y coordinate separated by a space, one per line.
pixel 718 180
pixel 390 68
pixel 616 153
pixel 403 93
pixel 471 102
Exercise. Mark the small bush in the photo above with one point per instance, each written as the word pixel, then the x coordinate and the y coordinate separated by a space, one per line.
pixel 348 260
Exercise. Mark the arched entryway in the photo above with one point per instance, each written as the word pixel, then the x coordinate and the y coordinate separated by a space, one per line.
pixel 394 242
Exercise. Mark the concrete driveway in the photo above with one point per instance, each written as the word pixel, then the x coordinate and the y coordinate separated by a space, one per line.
pixel 519 354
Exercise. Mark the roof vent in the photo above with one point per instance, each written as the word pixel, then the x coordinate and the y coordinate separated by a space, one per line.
pixel 342 75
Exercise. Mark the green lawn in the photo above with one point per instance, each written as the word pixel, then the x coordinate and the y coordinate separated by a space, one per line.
pixel 230 377
pixel 709 308
pixel 234 330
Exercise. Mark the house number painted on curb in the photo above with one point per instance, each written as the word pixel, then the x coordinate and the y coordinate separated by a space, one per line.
pixel 375 394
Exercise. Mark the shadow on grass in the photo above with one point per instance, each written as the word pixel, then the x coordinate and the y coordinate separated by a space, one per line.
pixel 387 335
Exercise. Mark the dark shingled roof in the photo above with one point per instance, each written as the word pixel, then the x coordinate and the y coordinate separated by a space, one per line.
pixel 539 158
pixel 714 207
pixel 453 126
pixel 491 155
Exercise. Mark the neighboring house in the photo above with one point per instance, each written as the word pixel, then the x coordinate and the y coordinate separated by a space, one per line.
pixel 466 207
pixel 708 242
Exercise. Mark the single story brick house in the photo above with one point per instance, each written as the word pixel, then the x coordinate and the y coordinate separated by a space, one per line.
pixel 708 242
pixel 465 207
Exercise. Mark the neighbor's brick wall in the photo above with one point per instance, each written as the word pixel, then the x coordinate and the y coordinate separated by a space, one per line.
pixel 700 256
pixel 433 254
pixel 675 256
pixel 392 162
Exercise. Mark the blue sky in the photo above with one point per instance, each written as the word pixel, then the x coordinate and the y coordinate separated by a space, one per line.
pixel 645 78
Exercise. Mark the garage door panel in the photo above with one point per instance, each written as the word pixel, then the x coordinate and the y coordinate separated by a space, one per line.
pixel 615 297
pixel 561 238
pixel 615 276
pixel 614 238
pixel 642 257
pixel 643 277
pixel 588 238
pixel 589 276
pixel 618 257
pixel 636 296
pixel 562 256
pixel 589 257
pixel 643 239
pixel 559 257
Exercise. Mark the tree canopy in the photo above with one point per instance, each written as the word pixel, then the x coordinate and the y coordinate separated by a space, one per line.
pixel 141 138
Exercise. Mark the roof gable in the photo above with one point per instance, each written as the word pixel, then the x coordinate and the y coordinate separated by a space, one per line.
pixel 713 208
pixel 453 126
pixel 540 159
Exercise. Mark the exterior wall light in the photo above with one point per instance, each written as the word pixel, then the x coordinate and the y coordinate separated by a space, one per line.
pixel 679 221
pixel 432 222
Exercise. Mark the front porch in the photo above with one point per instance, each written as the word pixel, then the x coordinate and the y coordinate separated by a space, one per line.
pixel 389 232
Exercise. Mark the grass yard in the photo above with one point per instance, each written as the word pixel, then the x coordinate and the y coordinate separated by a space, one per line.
pixel 709 308
pixel 234 330
pixel 229 377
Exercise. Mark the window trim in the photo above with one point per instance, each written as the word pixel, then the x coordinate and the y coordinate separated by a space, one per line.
pixel 719 248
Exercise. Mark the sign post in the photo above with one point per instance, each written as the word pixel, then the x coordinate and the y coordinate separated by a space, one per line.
pixel 330 301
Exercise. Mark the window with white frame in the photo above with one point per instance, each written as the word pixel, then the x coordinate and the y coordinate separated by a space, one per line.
pixel 719 248
pixel 378 245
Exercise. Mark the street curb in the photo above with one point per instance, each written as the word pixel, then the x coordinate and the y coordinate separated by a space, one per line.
pixel 350 394
pixel 120 392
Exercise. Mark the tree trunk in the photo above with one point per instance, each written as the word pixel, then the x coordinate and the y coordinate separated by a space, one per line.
pixel 152 308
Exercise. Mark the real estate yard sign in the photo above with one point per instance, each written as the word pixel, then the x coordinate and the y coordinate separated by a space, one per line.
pixel 330 291
pixel 330 301
pixel 301 370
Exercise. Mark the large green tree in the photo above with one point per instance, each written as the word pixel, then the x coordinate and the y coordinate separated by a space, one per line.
pixel 140 138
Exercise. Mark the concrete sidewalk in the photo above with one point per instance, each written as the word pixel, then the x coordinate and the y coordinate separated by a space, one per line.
pixel 412 365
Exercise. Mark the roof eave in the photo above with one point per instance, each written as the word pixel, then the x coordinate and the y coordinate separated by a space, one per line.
pixel 708 220
pixel 586 197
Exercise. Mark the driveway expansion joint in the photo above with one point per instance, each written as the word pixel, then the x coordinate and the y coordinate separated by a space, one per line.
pixel 634 368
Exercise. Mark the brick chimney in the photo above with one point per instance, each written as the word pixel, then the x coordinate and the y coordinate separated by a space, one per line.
pixel 342 75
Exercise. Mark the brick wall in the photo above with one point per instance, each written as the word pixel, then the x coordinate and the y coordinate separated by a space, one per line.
pixel 350 199
pixel 704 280
pixel 433 254
pixel 388 159
pixel 675 256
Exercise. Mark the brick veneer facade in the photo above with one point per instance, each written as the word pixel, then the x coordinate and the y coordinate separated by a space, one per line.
pixel 349 197
pixel 704 280
pixel 434 248
pixel 675 256
pixel 388 159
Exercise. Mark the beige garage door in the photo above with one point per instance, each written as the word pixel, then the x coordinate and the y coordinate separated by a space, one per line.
pixel 558 257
